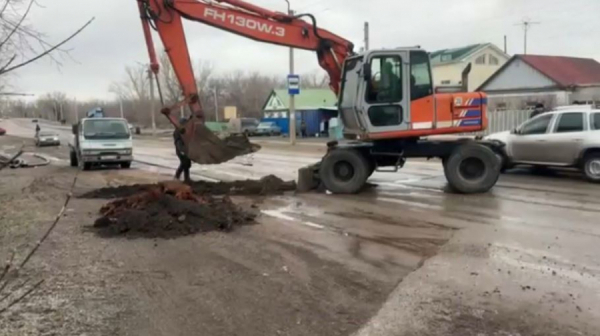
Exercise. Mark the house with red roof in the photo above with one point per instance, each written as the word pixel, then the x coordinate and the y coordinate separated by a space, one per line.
pixel 527 80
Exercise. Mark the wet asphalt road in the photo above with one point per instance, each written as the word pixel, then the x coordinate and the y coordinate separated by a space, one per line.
pixel 523 257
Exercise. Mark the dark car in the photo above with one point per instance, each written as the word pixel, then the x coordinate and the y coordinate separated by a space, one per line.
pixel 2 131
pixel 47 139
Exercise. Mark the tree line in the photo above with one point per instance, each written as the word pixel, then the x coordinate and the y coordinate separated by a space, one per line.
pixel 247 91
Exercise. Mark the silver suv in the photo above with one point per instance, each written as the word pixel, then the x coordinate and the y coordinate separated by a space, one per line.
pixel 565 138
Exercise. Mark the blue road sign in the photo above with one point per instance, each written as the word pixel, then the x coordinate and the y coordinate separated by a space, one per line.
pixel 293 82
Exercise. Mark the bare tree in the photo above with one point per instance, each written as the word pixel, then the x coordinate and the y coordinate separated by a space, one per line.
pixel 52 105
pixel 171 89
pixel 314 80
pixel 20 43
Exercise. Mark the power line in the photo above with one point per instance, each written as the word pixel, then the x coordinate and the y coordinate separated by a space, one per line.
pixel 526 24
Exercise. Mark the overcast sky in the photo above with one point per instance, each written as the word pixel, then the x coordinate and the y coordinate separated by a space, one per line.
pixel 114 40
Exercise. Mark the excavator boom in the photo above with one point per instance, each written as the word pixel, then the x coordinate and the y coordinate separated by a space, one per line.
pixel 241 18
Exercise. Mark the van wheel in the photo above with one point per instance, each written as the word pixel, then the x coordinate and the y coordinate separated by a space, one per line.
pixel 73 157
pixel 126 165
pixel 472 168
pixel 84 165
pixel 591 167
pixel 344 171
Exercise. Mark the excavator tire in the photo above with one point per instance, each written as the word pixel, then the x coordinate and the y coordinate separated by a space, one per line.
pixel 472 168
pixel 344 171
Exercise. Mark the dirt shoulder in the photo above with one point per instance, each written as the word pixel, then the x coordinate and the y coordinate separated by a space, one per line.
pixel 253 281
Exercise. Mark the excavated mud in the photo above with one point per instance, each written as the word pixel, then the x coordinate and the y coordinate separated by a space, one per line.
pixel 169 210
pixel 268 185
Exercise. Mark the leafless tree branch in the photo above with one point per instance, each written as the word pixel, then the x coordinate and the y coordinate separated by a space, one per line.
pixel 49 50
pixel 4 7
pixel 8 63
pixel 5 271
pixel 62 211
pixel 18 24
pixel 15 289
pixel 17 300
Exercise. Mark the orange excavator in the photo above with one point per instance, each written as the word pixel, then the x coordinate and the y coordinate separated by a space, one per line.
pixel 386 99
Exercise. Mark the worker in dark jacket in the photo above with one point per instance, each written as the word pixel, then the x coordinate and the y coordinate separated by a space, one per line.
pixel 184 162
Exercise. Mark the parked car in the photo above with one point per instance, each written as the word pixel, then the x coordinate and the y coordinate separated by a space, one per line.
pixel 34 120
pixel 2 131
pixel 563 138
pixel 267 128
pixel 45 138
pixel 249 125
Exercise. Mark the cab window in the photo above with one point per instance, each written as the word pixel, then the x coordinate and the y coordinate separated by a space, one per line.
pixel 385 85
pixel 570 122
pixel 537 125
pixel 420 75
pixel 595 122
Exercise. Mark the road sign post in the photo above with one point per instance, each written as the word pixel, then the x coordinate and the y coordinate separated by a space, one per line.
pixel 293 82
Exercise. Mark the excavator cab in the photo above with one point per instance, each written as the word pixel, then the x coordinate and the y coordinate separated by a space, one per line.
pixel 378 88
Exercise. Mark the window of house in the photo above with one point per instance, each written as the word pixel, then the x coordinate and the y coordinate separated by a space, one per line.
pixel 480 60
pixel 501 107
pixel 446 82
pixel 494 60
pixel 530 105
pixel 537 125
pixel 570 122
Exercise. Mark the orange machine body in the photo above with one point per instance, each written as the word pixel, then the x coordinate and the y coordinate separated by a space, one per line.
pixel 443 113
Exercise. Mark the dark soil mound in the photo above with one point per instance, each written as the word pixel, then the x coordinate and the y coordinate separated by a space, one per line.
pixel 268 185
pixel 168 217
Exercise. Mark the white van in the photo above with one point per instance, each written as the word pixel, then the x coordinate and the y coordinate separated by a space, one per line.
pixel 101 141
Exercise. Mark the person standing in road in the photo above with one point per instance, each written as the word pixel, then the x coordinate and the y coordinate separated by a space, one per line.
pixel 184 162
pixel 303 129
pixel 37 129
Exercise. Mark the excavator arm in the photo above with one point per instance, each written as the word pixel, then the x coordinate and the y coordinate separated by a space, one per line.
pixel 241 18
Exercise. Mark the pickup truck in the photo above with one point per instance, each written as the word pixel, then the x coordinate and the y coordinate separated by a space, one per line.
pixel 101 141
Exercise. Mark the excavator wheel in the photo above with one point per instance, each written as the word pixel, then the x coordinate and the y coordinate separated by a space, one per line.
pixel 472 168
pixel 344 171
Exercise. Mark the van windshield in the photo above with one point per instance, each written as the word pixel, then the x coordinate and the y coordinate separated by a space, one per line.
pixel 105 129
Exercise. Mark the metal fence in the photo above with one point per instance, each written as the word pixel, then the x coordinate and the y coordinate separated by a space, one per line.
pixel 504 120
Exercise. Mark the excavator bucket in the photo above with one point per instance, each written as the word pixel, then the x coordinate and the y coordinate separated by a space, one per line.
pixel 205 147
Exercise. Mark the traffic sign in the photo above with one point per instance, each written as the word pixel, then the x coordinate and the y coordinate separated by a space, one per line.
pixel 293 82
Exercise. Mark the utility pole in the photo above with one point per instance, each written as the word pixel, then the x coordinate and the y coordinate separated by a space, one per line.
pixel 292 111
pixel 151 79
pixel 366 36
pixel 526 24
pixel 505 46
pixel 121 106
pixel 216 105
pixel 76 110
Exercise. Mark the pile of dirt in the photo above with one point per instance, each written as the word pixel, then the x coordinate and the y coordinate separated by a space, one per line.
pixel 268 185
pixel 169 210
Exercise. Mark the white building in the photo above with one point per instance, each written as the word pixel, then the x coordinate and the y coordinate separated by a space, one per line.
pixel 448 64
